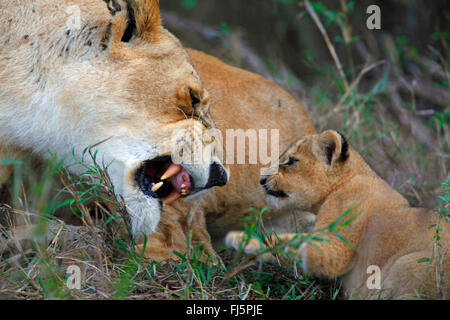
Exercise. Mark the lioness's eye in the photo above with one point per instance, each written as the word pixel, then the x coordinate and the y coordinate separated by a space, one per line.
pixel 291 161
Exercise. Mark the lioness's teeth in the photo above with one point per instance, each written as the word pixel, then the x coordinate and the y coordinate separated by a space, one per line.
pixel 183 186
pixel 171 171
pixel 174 196
pixel 157 186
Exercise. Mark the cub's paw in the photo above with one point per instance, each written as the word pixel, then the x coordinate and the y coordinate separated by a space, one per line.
pixel 235 240
pixel 238 240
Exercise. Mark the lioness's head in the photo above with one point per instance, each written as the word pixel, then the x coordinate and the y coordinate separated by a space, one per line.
pixel 310 169
pixel 109 76
pixel 164 111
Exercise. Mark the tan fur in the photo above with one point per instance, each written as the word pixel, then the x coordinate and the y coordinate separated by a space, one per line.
pixel 387 231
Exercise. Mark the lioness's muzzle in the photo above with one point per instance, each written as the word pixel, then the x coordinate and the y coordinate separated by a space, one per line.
pixel 161 178
pixel 218 176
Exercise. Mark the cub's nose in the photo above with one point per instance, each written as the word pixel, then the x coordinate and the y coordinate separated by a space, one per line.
pixel 218 176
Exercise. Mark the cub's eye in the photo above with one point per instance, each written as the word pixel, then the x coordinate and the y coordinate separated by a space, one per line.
pixel 290 162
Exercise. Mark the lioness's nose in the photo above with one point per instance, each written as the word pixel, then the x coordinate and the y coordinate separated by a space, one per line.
pixel 263 181
pixel 218 176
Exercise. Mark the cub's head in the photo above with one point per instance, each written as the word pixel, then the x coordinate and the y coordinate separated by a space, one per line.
pixel 309 170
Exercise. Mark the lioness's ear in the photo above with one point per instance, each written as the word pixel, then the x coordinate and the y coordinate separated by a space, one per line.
pixel 333 147
pixel 140 18
pixel 146 16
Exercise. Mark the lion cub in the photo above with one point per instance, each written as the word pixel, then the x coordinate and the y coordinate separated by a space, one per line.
pixel 324 175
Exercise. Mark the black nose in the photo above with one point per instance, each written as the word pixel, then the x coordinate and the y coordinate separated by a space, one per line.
pixel 217 176
pixel 263 181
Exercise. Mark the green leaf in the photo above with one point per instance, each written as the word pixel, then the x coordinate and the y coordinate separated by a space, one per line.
pixel 333 225
pixel 445 198
pixel 11 162
pixel 422 260
pixel 225 28
pixel 189 4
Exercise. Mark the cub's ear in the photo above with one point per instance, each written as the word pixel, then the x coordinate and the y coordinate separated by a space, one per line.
pixel 333 147
pixel 140 18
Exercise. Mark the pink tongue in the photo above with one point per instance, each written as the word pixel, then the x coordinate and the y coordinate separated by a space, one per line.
pixel 181 181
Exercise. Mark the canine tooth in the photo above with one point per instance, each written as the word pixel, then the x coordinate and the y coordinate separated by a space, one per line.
pixel 171 171
pixel 183 186
pixel 157 186
pixel 174 196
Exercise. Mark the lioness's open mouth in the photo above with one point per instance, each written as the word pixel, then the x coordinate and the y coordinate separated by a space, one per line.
pixel 163 179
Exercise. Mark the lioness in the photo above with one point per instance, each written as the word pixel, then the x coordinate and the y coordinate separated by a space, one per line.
pixel 126 81
pixel 74 74
pixel 323 174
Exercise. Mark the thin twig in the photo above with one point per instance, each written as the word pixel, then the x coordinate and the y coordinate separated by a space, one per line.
pixel 328 42
pixel 366 69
